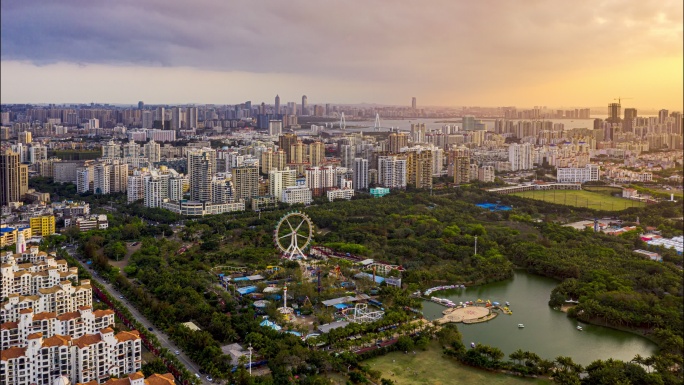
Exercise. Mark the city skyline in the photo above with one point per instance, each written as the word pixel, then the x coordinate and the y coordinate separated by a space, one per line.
pixel 451 54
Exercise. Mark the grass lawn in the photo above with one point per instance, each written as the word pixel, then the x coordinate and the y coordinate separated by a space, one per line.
pixel 433 368
pixel 581 198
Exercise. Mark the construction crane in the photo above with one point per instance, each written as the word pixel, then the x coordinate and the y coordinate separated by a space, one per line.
pixel 620 98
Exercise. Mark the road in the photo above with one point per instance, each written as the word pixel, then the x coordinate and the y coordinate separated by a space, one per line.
pixel 163 338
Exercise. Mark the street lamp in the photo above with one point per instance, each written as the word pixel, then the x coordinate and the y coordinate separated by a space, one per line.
pixel 250 358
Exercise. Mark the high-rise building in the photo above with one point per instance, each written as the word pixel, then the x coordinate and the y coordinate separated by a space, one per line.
pixel 272 160
pixel 111 150
pixel 13 178
pixel 275 127
pixel 360 181
pixel 662 116
pixel 413 102
pixel 521 156
pixel 147 119
pixel 316 153
pixel 486 174
pixel 347 155
pixel 320 179
pixel 614 113
pixel 298 152
pixel 630 115
pixel 678 127
pixel 141 105
pixel 392 171
pixel 190 118
pixel 131 150
pixel 277 104
pixel 25 137
pixel 152 151
pixel 397 141
pixel 160 114
pixel 222 190
pixel 93 123
pixel 280 180
pixel 37 153
pixel 135 190
pixel 460 163
pixel 201 170
pixel 176 118
pixel 246 182
pixel 285 143
pixel 101 179
pixel 84 178
pixel 118 176
pixel 419 168
pixel 468 123
pixel 418 132
pixel 305 105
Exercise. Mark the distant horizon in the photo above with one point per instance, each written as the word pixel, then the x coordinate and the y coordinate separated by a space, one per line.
pixel 368 104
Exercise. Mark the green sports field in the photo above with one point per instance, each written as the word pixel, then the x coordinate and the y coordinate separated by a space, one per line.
pixel 433 368
pixel 581 198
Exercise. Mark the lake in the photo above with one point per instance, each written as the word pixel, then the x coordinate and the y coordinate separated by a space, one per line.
pixel 547 332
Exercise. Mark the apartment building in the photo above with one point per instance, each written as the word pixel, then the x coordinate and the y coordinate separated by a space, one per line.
pixel 74 324
pixel 43 225
pixel 37 281
pixel 91 357
pixel 392 172
pixel 280 180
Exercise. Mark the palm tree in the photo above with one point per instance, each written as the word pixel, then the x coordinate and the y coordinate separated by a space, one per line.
pixel 517 356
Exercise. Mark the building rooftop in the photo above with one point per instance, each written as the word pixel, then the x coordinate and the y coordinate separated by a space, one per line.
pixel 333 325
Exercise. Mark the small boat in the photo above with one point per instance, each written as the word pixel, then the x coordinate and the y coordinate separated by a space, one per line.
pixel 579 328
pixel 521 326
pixel 508 303
pixel 472 344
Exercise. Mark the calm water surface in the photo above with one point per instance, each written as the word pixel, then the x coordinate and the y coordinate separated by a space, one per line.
pixel 549 333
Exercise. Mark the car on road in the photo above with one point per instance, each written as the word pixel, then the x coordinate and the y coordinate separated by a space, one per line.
pixel 177 352
pixel 197 375
pixel 121 297
pixel 210 379
pixel 150 329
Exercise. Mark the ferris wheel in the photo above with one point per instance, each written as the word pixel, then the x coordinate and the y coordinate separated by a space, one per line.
pixel 292 234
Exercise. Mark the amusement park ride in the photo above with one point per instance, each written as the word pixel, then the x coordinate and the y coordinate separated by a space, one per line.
pixel 293 240
pixel 285 310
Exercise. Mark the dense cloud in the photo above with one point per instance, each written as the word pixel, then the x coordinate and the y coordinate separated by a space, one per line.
pixel 456 43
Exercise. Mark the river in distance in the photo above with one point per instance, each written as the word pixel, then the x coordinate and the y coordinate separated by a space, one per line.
pixel 547 332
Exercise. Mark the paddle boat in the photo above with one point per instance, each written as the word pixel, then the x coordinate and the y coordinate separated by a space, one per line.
pixel 521 326
pixel 579 328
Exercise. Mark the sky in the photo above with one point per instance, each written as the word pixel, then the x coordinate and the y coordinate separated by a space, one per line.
pixel 580 53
